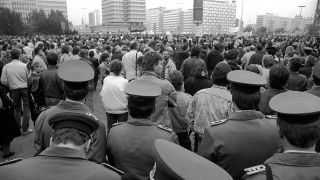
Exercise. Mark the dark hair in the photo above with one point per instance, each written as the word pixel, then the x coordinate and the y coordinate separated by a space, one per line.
pixel 195 51
pixel 176 79
pixel 75 50
pixel 15 53
pixel 65 49
pixel 91 54
pixel 150 60
pixel 300 135
pixel 295 64
pixel 37 50
pixel 76 91
pixel 245 97
pixel 259 47
pixel 133 45
pixel 231 54
pixel 51 45
pixel 116 67
pixel 141 107
pixel 52 58
pixel 278 76
pixel 104 57
pixel 69 135
pixel 219 74
pixel 316 80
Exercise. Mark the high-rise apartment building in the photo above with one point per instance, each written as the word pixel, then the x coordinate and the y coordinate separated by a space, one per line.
pixel 94 18
pixel 188 25
pixel 124 14
pixel 218 16
pixel 317 15
pixel 273 23
pixel 24 7
pixel 58 5
pixel 154 20
pixel 173 21
pixel 214 16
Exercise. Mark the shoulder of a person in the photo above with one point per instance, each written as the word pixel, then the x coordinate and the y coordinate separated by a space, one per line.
pixel 219 122
pixel 165 129
pixel 255 172
pixel 11 162
pixel 113 169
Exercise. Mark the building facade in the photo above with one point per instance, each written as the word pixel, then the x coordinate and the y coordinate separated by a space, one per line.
pixel 94 18
pixel 124 14
pixel 273 23
pixel 173 21
pixel 188 25
pixel 58 5
pixel 24 7
pixel 218 17
pixel 154 20
pixel 317 15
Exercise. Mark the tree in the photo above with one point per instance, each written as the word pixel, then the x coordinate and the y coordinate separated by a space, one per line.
pixel 262 30
pixel 11 22
pixel 280 30
pixel 248 28
pixel 54 23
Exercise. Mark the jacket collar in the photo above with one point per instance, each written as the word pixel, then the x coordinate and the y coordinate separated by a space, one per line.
pixel 295 159
pixel 245 115
pixel 63 152
pixel 150 73
pixel 140 122
pixel 72 105
pixel 52 67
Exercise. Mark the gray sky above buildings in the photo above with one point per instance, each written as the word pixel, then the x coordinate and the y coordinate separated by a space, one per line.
pixel 252 8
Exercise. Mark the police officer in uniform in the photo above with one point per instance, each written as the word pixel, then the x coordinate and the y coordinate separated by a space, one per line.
pixel 75 76
pixel 246 138
pixel 130 144
pixel 298 118
pixel 66 158
pixel 174 162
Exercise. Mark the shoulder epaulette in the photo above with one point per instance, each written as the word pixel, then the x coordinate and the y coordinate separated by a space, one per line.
pixel 271 116
pixel 255 169
pixel 108 166
pixel 165 128
pixel 45 108
pixel 10 161
pixel 116 124
pixel 214 123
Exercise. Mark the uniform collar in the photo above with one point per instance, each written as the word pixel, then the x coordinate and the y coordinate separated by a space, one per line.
pixel 295 159
pixel 73 105
pixel 245 115
pixel 63 152
pixel 140 122
pixel 150 73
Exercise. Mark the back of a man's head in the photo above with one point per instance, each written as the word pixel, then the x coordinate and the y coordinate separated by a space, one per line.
pixel 195 51
pixel 52 58
pixel 278 76
pixel 295 64
pixel 15 53
pixel 75 50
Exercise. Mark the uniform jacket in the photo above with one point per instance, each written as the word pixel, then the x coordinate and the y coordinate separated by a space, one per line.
pixel 315 90
pixel 293 166
pixel 57 163
pixel 130 147
pixel 246 139
pixel 43 132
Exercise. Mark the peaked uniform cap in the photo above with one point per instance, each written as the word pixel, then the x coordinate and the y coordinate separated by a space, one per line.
pixel 243 77
pixel 76 71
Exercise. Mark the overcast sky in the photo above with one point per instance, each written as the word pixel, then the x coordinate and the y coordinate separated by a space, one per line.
pixel 251 8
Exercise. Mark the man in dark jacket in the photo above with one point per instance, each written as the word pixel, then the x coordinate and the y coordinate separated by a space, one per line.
pixel 296 81
pixel 256 58
pixel 50 86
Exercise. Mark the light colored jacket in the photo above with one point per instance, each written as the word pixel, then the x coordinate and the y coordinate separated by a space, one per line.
pixel 15 75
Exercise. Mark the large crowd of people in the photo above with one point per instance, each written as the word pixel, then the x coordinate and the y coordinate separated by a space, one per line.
pixel 247 107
